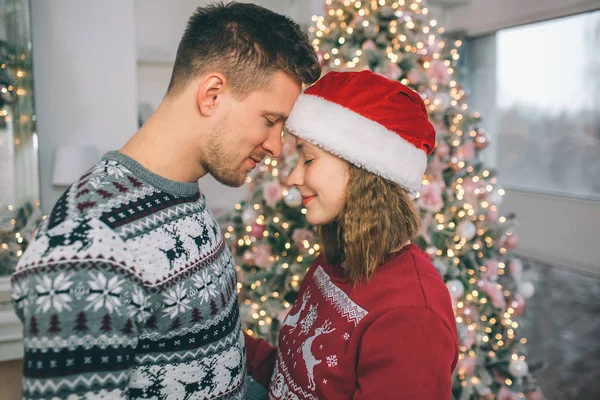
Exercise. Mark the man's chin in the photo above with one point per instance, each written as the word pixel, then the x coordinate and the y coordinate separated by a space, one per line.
pixel 230 180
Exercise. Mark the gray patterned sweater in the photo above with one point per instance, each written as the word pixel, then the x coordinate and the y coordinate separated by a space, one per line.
pixel 128 291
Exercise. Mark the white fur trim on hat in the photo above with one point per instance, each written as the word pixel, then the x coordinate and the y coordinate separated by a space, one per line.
pixel 358 140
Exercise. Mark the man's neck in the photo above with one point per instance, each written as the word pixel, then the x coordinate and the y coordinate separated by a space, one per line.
pixel 161 147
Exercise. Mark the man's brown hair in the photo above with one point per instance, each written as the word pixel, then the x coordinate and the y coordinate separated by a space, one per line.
pixel 245 42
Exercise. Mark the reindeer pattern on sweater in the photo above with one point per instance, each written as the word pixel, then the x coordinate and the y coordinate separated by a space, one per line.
pixel 317 328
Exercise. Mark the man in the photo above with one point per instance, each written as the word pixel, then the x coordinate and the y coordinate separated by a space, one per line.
pixel 128 289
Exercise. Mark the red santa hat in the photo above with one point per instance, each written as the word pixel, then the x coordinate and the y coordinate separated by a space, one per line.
pixel 370 121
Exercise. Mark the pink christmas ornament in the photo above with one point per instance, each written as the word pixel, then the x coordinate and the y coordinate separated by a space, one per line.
pixel 498 301
pixel 272 192
pixel 472 190
pixel 485 392
pixel 248 257
pixel 469 341
pixel 301 235
pixel 438 71
pixel 495 294
pixel 515 268
pixel 518 304
pixel 431 197
pixel 512 242
pixel 466 366
pixel 481 139
pixel 455 163
pixel 491 273
pixel 435 169
pixel 535 395
pixel 443 149
pixel 262 254
pixel 506 394
pixel 391 71
pixel 369 45
pixel 414 77
pixel 257 230
pixel 492 215
pixel 467 150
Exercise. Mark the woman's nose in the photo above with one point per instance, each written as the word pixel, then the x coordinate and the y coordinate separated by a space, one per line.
pixel 296 178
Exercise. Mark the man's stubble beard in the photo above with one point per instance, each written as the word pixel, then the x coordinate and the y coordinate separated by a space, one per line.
pixel 221 162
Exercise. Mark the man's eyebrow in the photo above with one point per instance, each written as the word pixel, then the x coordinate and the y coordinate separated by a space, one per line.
pixel 278 115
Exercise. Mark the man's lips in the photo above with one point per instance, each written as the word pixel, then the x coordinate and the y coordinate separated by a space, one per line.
pixel 254 161
pixel 307 199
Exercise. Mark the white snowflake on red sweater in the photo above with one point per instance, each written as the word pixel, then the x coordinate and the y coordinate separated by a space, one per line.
pixel 332 361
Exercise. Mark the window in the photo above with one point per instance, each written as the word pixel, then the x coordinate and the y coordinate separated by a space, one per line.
pixel 538 88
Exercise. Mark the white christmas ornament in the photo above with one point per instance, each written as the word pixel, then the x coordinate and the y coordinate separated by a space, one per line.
pixel 526 289
pixel 495 197
pixel 264 329
pixel 249 216
pixel 293 198
pixel 441 266
pixel 518 368
pixel 456 288
pixel 431 250
pixel 466 230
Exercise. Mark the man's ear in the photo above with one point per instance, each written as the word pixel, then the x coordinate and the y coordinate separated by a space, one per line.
pixel 212 87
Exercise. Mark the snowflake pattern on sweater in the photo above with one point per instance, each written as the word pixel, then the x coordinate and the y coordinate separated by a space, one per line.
pixel 128 291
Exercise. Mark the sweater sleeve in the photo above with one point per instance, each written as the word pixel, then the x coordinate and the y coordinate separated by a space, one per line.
pixel 79 328
pixel 406 354
pixel 260 359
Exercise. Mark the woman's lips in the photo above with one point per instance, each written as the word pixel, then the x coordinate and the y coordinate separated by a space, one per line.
pixel 307 199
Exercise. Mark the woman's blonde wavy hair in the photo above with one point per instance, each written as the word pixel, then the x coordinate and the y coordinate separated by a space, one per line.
pixel 378 217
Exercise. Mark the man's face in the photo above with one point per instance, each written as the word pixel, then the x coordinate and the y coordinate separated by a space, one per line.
pixel 248 130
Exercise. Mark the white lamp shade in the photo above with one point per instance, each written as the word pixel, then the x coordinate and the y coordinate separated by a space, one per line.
pixel 70 162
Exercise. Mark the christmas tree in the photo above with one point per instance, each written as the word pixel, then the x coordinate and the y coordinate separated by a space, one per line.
pixel 468 240
pixel 17 226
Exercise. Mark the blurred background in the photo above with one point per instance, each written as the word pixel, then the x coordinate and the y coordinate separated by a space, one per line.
pixel 79 77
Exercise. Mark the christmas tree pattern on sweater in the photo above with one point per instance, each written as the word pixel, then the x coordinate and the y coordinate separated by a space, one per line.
pixel 128 291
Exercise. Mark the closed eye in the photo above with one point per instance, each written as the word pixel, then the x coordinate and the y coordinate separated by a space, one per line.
pixel 308 161
pixel 269 123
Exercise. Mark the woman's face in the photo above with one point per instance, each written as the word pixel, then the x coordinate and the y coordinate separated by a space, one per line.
pixel 321 178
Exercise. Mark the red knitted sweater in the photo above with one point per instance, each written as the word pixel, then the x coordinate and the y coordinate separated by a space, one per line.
pixel 393 337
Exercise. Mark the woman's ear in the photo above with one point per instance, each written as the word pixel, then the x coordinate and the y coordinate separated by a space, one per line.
pixel 212 88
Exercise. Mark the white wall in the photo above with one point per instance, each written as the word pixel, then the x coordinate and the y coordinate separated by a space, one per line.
pixel 84 76
pixel 160 23
pixel 558 230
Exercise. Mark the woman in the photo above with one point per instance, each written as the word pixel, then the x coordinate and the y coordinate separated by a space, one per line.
pixel 373 318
